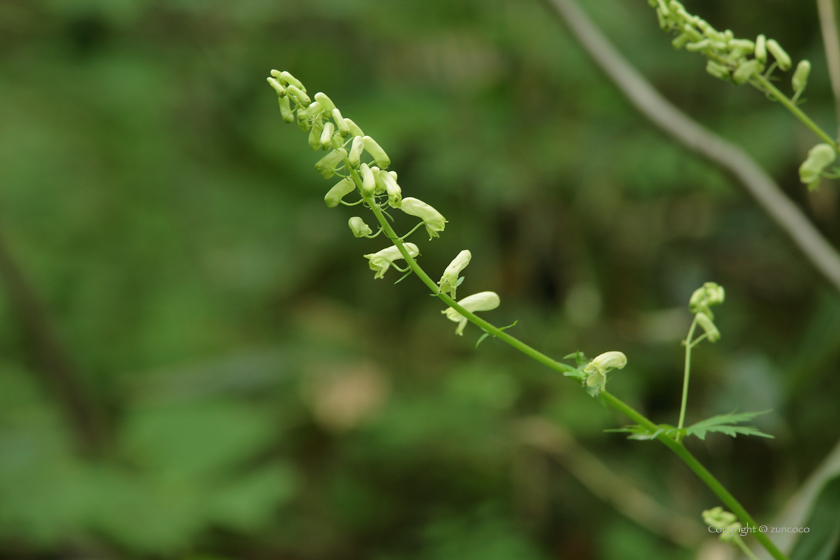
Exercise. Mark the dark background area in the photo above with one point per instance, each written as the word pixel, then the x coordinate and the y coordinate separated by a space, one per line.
pixel 196 362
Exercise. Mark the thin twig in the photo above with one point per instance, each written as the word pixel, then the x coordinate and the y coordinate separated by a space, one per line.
pixel 692 135
pixel 49 356
pixel 831 40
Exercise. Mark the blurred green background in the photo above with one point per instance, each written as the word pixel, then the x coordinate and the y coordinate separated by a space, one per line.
pixel 197 364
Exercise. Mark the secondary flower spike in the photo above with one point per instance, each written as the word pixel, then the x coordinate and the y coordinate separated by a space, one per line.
pixel 482 301
pixel 382 261
pixel 449 281
pixel 432 219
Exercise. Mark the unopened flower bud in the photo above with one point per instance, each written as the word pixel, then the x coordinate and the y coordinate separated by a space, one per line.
pixel 368 180
pixel 482 301
pixel 449 281
pixel 286 109
pixel 761 49
pixel 744 45
pixel 376 151
pixel 698 46
pixel 310 112
pixel 800 77
pixel 382 261
pixel 339 191
pixel 819 157
pixel 779 54
pixel 725 521
pixel 315 135
pixel 287 78
pixel 391 187
pixel 354 128
pixel 327 165
pixel 704 297
pixel 717 70
pixel 745 71
pixel 432 219
pixel 356 150
pixel 327 135
pixel 712 333
pixel 278 87
pixel 325 102
pixel 379 187
pixel 359 227
pixel 681 40
pixel 299 96
pixel 340 123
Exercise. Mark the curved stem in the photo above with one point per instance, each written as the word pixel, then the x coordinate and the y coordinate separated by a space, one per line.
pixel 747 552
pixel 613 401
pixel 797 112
pixel 695 465
pixel 687 372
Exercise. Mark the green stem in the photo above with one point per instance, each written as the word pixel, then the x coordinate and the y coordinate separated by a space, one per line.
pixel 687 372
pixel 728 499
pixel 616 403
pixel 797 112
pixel 747 552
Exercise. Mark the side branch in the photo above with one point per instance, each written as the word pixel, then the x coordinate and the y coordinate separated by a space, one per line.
pixel 692 135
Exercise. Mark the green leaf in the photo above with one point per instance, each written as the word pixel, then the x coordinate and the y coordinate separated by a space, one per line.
pixel 725 424
pixel 822 539
pixel 486 334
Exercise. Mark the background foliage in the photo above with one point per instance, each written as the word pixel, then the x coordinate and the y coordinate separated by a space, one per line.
pixel 258 395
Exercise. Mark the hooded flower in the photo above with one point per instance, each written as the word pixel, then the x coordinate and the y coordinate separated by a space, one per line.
pixel 598 368
pixel 482 301
pixel 433 219
pixel 382 261
pixel 359 227
pixel 449 280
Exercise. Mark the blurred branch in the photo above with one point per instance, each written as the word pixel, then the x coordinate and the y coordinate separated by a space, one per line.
pixel 601 481
pixel 692 135
pixel 49 356
pixel 831 40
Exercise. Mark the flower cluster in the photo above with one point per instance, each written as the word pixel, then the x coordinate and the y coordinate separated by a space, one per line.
pixel 726 522
pixel 700 304
pixel 728 57
pixel 362 166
